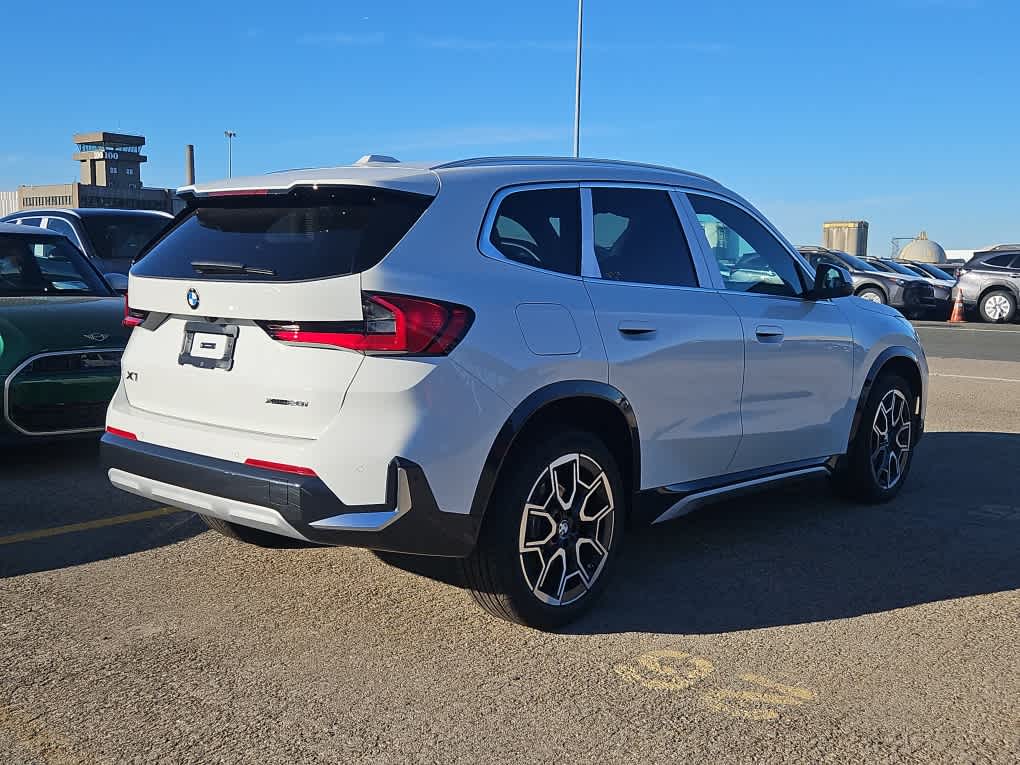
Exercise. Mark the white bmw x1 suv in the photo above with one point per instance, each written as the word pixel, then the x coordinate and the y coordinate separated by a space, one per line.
pixel 502 360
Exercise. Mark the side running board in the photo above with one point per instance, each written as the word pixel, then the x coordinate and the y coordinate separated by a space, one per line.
pixel 695 499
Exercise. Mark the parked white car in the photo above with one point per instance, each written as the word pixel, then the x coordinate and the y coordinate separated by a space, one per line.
pixel 502 360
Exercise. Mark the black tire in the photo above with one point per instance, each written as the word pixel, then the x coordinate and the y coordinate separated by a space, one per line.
pixel 874 294
pixel 500 577
pixel 252 536
pixel 856 477
pixel 1000 298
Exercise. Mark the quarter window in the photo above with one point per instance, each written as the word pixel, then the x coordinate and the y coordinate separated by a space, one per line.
pixel 638 238
pixel 540 228
pixel 61 227
pixel 750 258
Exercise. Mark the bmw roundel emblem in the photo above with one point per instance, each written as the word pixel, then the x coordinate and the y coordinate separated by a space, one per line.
pixel 193 299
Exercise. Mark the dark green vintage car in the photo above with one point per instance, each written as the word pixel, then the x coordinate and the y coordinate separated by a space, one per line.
pixel 61 338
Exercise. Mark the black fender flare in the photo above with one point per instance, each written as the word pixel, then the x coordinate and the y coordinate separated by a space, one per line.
pixel 531 406
pixel 890 353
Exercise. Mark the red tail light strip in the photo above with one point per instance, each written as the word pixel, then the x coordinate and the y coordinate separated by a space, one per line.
pixel 121 433
pixel 279 467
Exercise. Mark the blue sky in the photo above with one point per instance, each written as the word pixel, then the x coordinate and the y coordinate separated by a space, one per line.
pixel 905 113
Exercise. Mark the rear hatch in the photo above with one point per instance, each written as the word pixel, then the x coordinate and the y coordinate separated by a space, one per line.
pixel 238 304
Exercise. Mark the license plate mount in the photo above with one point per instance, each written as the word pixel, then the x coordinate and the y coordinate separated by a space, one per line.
pixel 208 346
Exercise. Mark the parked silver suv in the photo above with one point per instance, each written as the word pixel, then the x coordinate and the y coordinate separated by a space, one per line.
pixel 502 360
pixel 990 283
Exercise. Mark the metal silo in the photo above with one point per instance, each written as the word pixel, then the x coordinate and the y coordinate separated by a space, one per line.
pixel 846 235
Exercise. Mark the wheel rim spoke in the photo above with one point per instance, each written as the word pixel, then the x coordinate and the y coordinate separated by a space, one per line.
pixel 566 529
pixel 891 439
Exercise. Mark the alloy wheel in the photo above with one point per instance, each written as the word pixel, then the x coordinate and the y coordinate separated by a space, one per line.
pixel 566 529
pixel 997 307
pixel 890 439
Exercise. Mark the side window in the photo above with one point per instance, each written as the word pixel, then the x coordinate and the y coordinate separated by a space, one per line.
pixel 638 238
pixel 61 226
pixel 30 221
pixel 750 258
pixel 541 228
pixel 1001 261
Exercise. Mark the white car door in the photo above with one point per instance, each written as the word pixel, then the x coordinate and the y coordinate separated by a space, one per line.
pixel 798 352
pixel 675 346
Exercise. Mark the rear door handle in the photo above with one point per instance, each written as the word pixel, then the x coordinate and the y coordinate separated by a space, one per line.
pixel 635 327
pixel 769 333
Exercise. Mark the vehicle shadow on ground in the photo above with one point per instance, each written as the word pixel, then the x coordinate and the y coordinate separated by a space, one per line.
pixel 61 484
pixel 801 555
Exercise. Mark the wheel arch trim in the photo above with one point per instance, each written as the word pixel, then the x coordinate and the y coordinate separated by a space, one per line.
pixel 880 362
pixel 524 414
pixel 999 286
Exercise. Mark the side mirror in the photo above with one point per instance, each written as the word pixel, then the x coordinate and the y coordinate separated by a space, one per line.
pixel 831 281
pixel 118 281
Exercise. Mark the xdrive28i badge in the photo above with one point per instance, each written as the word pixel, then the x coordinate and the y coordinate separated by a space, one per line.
pixel 193 299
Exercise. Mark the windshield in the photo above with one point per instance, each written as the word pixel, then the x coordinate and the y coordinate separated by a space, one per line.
pixel 45 265
pixel 121 237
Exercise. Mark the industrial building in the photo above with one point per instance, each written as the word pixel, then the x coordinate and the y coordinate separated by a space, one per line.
pixel 110 166
pixel 850 236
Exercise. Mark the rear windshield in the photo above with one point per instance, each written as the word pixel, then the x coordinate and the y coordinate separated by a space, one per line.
pixel 122 237
pixel 302 235
pixel 42 266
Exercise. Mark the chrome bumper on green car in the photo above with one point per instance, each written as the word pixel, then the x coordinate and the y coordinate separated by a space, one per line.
pixel 60 393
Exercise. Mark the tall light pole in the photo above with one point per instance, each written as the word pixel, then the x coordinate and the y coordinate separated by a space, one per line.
pixel 577 81
pixel 230 136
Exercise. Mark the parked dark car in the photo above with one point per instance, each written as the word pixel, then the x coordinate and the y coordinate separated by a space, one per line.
pixel 911 294
pixel 939 273
pixel 943 289
pixel 990 283
pixel 110 238
pixel 61 338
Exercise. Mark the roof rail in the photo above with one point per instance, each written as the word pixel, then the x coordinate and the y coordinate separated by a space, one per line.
pixel 513 160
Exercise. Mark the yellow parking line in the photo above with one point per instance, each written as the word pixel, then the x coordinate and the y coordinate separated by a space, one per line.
pixel 99 523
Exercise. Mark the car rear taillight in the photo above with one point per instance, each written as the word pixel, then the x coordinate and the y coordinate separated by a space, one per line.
pixel 392 324
pixel 132 316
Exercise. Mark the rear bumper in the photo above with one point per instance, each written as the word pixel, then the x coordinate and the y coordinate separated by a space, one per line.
pixel 301 507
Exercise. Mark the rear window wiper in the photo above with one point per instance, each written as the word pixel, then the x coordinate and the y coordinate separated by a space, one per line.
pixel 218 267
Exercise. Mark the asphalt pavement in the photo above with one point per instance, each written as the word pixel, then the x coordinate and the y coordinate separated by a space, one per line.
pixel 785 627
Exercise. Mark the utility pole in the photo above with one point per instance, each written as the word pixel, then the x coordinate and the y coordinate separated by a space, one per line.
pixel 577 81
pixel 230 136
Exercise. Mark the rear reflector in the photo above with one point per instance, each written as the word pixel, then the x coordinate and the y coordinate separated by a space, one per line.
pixel 121 433
pixel 132 316
pixel 392 325
pixel 279 467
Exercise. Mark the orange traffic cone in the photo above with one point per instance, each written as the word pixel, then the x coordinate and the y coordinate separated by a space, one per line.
pixel 956 317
